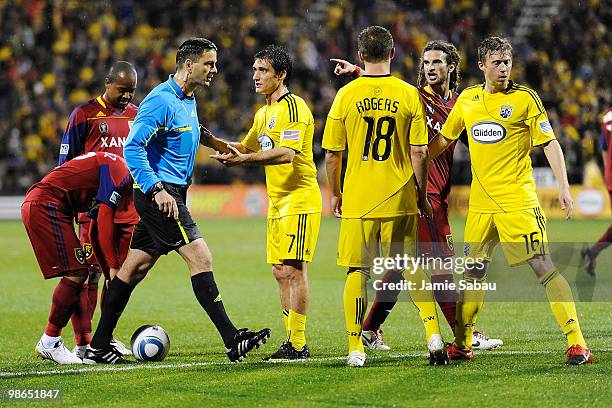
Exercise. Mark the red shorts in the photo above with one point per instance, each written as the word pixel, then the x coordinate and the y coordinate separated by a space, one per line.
pixel 123 237
pixel 55 243
pixel 435 239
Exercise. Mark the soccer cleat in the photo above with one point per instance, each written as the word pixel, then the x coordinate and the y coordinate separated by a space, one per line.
pixel 356 359
pixel 482 342
pixel 245 341
pixel 578 355
pixel 456 353
pixel 288 352
pixel 373 339
pixel 588 260
pixel 79 351
pixel 120 347
pixel 108 355
pixel 437 350
pixel 58 353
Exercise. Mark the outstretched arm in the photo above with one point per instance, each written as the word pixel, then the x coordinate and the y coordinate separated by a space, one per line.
pixel 279 155
pixel 344 67
pixel 208 139
pixel 555 158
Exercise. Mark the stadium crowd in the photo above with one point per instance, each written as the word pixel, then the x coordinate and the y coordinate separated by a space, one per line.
pixel 55 55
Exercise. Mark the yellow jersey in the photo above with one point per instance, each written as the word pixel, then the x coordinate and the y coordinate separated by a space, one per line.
pixel 378 118
pixel 292 187
pixel 502 127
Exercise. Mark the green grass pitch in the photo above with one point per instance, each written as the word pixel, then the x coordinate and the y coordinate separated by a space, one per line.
pixel 528 370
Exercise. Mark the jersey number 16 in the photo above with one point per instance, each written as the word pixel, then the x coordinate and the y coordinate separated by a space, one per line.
pixel 382 133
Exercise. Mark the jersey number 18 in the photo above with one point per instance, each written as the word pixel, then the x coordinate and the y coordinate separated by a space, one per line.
pixel 381 135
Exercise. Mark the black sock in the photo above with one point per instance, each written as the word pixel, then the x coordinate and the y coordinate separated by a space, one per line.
pixel 117 297
pixel 206 292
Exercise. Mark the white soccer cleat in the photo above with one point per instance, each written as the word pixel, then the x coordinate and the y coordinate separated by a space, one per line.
pixel 120 347
pixel 356 359
pixel 58 353
pixel 437 350
pixel 482 342
pixel 79 351
pixel 373 339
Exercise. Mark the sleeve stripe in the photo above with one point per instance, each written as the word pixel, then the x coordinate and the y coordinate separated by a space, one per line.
pixel 292 105
pixel 533 95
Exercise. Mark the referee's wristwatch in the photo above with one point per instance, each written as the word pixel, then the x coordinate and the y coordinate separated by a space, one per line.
pixel 157 187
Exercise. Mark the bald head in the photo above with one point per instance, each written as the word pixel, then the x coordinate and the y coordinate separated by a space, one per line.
pixel 121 68
pixel 120 84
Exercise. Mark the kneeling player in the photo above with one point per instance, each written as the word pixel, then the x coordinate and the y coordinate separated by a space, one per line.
pixel 93 182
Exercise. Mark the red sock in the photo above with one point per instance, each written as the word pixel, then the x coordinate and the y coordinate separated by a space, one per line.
pixel 65 297
pixel 92 293
pixel 81 322
pixel 447 299
pixel 383 303
pixel 604 242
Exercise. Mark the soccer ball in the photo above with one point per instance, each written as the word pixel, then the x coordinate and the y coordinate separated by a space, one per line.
pixel 150 343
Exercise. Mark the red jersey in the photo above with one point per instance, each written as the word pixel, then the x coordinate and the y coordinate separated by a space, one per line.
pixel 79 185
pixel 437 110
pixel 606 135
pixel 97 126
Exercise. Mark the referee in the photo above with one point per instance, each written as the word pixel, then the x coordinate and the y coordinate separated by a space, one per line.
pixel 160 153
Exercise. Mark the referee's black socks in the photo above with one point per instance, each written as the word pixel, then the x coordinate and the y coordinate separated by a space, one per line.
pixel 116 299
pixel 205 290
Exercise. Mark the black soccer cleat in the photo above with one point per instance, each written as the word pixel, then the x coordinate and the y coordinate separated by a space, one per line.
pixel 588 260
pixel 245 341
pixel 108 355
pixel 287 352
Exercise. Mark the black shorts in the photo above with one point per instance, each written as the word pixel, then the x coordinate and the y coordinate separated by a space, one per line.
pixel 158 234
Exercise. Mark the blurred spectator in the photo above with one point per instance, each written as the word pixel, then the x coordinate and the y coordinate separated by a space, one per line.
pixel 54 53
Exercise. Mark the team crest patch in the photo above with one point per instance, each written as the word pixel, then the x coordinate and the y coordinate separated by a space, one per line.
pixel 88 250
pixel 103 127
pixel 79 255
pixel 272 123
pixel 466 249
pixel 430 109
pixel 505 111
pixel 449 242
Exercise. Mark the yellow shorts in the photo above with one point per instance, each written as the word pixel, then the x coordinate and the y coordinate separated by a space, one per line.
pixel 363 239
pixel 292 237
pixel 522 234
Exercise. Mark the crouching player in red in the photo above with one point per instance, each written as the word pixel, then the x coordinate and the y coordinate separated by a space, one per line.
pixel 94 182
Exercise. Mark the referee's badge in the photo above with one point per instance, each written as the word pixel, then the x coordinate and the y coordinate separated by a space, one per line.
pixel 272 123
pixel 505 111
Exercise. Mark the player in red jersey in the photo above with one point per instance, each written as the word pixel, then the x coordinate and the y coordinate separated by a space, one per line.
pixel 438 80
pixel 94 183
pixel 589 253
pixel 102 124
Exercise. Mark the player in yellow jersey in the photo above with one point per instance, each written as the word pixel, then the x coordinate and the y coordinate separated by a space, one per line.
pixel 281 140
pixel 504 120
pixel 381 120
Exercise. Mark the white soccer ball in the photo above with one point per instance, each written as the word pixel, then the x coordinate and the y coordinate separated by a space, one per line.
pixel 150 343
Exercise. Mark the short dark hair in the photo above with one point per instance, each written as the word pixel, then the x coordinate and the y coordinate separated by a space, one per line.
pixel 452 57
pixel 119 68
pixel 492 45
pixel 375 43
pixel 278 57
pixel 192 49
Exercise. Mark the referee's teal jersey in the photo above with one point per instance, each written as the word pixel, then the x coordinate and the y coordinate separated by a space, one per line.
pixel 164 138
